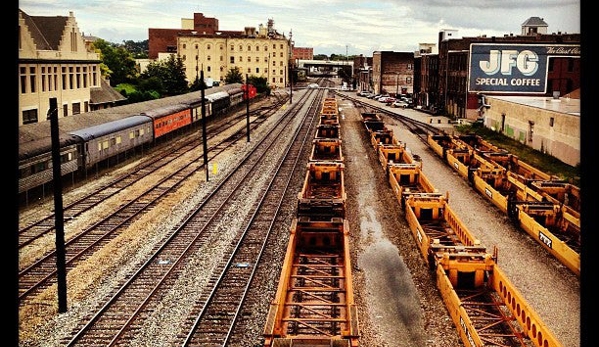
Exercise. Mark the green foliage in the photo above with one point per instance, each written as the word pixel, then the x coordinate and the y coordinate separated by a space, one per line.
pixel 139 49
pixel 537 159
pixel 234 76
pixel 198 84
pixel 260 83
pixel 169 74
pixel 120 66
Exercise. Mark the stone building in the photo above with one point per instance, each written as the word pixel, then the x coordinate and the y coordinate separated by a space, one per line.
pixel 393 72
pixel 261 52
pixel 54 62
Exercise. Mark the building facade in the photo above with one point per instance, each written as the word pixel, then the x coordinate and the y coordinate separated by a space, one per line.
pixel 393 72
pixel 302 53
pixel 261 53
pixel 467 68
pixel 54 62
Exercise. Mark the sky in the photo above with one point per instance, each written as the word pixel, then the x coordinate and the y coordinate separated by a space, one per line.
pixel 328 26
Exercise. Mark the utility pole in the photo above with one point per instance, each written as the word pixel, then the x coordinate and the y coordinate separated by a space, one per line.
pixel 61 273
pixel 204 139
pixel 247 105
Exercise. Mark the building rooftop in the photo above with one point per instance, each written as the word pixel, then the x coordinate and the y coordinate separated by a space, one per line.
pixel 562 105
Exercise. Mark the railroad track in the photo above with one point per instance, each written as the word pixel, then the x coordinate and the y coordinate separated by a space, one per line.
pixel 74 208
pixel 40 274
pixel 208 226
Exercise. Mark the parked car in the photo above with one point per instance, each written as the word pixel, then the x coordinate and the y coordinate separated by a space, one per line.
pixel 386 99
pixel 400 103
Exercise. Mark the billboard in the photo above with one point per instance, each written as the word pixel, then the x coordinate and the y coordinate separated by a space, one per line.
pixel 513 68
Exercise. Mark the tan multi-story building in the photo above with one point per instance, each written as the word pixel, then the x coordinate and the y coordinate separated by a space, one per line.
pixel 259 53
pixel 54 62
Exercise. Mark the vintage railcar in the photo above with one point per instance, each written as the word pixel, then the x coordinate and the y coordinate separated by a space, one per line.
pixel 35 166
pixel 168 119
pixel 109 140
pixel 170 113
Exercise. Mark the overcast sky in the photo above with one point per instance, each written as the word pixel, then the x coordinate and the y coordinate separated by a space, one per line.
pixel 328 26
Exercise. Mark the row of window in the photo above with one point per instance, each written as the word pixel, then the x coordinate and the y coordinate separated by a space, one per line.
pixel 43 165
pixel 249 47
pixel 31 116
pixel 47 78
pixel 113 141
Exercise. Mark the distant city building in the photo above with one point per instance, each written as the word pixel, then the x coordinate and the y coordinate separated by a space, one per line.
pixel 55 62
pixel 202 46
pixel 302 53
pixel 393 72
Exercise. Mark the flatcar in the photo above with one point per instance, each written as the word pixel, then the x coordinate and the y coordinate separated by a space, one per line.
pixel 484 305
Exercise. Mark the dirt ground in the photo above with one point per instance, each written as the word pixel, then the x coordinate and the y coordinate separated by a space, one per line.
pixel 400 304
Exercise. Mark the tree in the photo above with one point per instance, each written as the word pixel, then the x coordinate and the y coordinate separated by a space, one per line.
pixel 260 83
pixel 234 75
pixel 170 73
pixel 139 49
pixel 120 64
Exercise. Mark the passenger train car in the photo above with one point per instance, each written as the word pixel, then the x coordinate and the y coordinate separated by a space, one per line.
pixel 93 137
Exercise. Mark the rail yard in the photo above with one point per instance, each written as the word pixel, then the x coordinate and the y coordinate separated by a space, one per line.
pixel 266 252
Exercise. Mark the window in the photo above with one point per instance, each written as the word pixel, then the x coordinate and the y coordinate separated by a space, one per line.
pixel 281 54
pixel 196 46
pixel 257 48
pixel 281 72
pixel 29 116
pixel 551 120
pixel 32 79
pixel 531 126
pixel 23 80
pixel 208 68
pixel 257 59
pixel 85 77
pixel 43 78
pixel 249 70
pixel 65 110
pixel 208 58
pixel 232 60
pixel 208 46
pixel 257 70
pixel 408 80
pixel 240 48
pixel 232 48
pixel 76 108
pixel 240 59
pixel 78 76
pixel 71 77
pixel 73 40
pixel 249 48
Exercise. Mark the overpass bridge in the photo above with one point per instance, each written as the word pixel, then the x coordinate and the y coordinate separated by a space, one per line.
pixel 325 67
